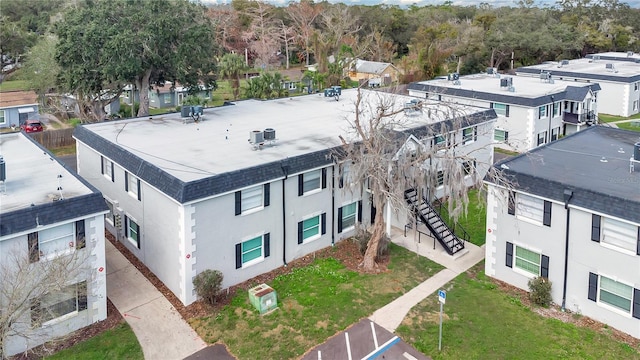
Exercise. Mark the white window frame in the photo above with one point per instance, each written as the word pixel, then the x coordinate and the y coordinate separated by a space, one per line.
pixel 345 175
pixel 555 132
pixel 542 112
pixel 468 139
pixel 106 168
pixel 132 186
pixel 110 216
pixel 307 184
pixel 635 105
pixel 3 118
pixel 254 260
pixel 529 208
pixel 66 238
pixel 252 199
pixel 556 109
pixel 610 305
pixel 618 235
pixel 128 232
pixel 636 86
pixel 505 135
pixel 349 216
pixel 468 168
pixel 519 258
pixel 501 109
pixel 544 138
pixel 75 288
pixel 318 228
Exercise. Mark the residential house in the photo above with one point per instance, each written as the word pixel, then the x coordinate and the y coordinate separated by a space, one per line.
pixel 164 96
pixel 619 80
pixel 48 213
pixel 16 107
pixel 531 111
pixel 376 73
pixel 226 195
pixel 571 213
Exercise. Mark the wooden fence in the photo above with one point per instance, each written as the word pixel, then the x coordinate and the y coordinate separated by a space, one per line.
pixel 54 138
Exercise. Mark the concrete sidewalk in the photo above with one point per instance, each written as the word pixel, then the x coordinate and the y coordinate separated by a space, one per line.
pixel 391 315
pixel 161 331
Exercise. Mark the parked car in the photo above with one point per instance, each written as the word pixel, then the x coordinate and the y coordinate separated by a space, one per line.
pixel 30 126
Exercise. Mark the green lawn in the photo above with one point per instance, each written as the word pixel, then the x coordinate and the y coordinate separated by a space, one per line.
pixel 14 85
pixel 606 118
pixel 628 126
pixel 117 343
pixel 483 322
pixel 315 302
pixel 474 223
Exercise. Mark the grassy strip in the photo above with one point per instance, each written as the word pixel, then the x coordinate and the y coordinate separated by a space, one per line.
pixel 64 150
pixel 506 152
pixel 483 322
pixel 14 85
pixel 117 343
pixel 315 302
pixel 474 222
pixel 606 118
pixel 628 126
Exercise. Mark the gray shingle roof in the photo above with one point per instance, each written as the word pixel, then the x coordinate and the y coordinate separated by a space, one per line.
pixel 574 162
pixel 570 93
pixel 371 67
pixel 576 74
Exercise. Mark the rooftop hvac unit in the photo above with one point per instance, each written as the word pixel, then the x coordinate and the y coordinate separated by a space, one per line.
pixel 564 62
pixel 263 298
pixel 185 111
pixel 506 82
pixel 269 134
pixel 490 70
pixel 609 66
pixel 337 89
pixel 256 137
pixel 453 77
pixel 629 53
pixel 596 57
pixel 545 75
pixel 196 110
pixel 636 151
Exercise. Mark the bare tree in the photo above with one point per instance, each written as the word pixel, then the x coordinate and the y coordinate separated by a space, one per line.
pixel 24 282
pixel 303 15
pixel 389 156
pixel 263 34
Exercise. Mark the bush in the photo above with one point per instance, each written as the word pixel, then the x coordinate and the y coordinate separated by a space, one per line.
pixel 208 285
pixel 362 239
pixel 125 110
pixel 75 122
pixel 540 291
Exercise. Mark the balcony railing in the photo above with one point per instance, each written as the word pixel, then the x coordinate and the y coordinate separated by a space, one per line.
pixel 579 118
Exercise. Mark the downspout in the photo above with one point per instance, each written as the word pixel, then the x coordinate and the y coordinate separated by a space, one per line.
pixel 333 204
pixel 285 170
pixel 568 194
pixel 550 113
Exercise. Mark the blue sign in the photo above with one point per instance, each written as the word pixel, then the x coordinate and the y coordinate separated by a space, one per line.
pixel 442 296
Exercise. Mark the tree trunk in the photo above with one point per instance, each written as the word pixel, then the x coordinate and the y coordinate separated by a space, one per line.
pixel 459 64
pixel 370 256
pixel 143 88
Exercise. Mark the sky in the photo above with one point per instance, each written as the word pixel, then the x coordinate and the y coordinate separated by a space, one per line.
pixel 494 3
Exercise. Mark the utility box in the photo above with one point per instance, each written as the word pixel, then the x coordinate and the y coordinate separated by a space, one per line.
pixel 185 111
pixel 264 298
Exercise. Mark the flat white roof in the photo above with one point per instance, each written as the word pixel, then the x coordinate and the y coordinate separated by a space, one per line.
pixel 525 86
pixel 33 176
pixel 220 143
pixel 621 69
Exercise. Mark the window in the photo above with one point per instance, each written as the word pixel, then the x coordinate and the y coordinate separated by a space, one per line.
pixel 2 118
pixel 53 241
pixel 635 105
pixel 469 135
pixel 110 216
pixel 636 86
pixel 81 239
pixel 440 140
pixel 348 214
pixel 556 109
pixel 133 232
pixel 107 168
pixel 252 199
pixel 619 234
pixel 440 178
pixel 529 207
pixel 69 300
pixel 345 174
pixel 542 112
pixel 312 181
pixel 500 135
pixel 529 261
pixel 132 185
pixel 613 293
pixel 501 109
pixel 468 167
pixel 167 99
pixel 542 138
pixel 554 133
pixel 312 228
pixel 252 251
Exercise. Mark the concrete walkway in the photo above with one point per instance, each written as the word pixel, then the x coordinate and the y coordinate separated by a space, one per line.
pixel 391 315
pixel 161 331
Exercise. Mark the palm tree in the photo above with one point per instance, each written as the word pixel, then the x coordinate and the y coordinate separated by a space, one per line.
pixel 231 67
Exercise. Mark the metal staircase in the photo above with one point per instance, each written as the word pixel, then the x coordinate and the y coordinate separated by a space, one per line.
pixel 432 220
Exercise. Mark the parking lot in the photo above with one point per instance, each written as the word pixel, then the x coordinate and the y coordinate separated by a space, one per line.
pixel 364 340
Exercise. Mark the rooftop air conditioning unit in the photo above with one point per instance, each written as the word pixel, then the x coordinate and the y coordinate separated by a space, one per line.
pixel 564 62
pixel 629 53
pixel 263 298
pixel 256 137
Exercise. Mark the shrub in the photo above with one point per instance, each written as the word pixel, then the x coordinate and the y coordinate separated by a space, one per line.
pixel 75 122
pixel 208 285
pixel 540 291
pixel 362 239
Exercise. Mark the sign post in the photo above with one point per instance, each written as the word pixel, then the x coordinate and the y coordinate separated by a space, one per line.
pixel 442 297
